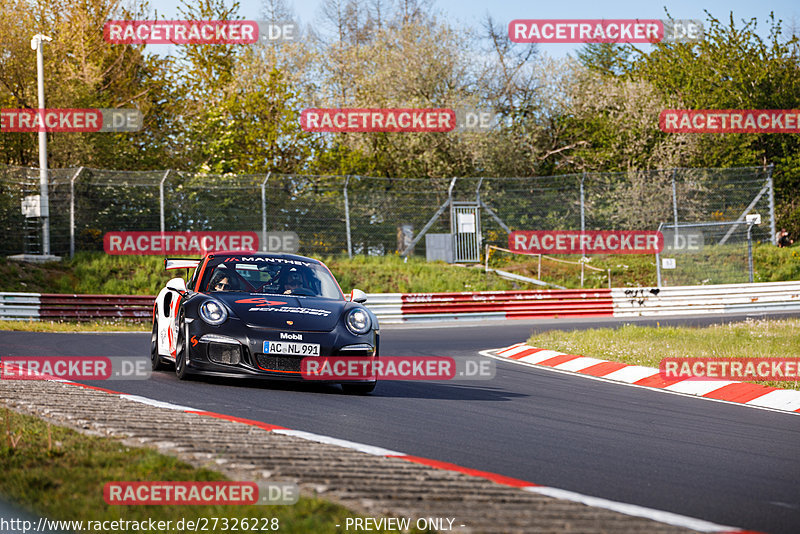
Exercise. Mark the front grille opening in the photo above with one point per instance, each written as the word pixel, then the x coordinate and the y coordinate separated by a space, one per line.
pixel 224 353
pixel 285 364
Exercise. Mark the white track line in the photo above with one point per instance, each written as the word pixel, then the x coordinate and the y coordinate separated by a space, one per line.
pixel 636 372
pixel 634 510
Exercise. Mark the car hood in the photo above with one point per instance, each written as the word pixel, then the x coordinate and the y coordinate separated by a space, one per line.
pixel 285 311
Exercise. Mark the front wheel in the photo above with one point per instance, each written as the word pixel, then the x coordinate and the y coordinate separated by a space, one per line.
pixel 358 388
pixel 181 349
pixel 155 359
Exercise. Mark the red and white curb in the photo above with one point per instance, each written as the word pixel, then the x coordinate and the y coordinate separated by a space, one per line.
pixel 661 516
pixel 753 395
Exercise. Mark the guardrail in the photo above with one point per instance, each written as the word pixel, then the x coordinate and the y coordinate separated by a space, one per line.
pixel 529 304
pixel 420 307
pixel 692 300
pixel 53 306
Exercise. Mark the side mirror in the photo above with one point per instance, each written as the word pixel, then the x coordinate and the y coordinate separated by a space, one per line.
pixel 358 296
pixel 178 285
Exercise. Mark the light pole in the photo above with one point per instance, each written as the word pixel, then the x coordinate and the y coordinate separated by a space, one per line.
pixel 44 203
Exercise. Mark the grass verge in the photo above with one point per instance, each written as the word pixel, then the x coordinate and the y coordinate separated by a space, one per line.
pixel 67 326
pixel 98 273
pixel 59 474
pixel 715 265
pixel 647 345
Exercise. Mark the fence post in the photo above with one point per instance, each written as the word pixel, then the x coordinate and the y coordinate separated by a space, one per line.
pixel 583 218
pixel 264 212
pixel 347 219
pixel 772 223
pixel 750 251
pixel 72 212
pixel 674 209
pixel 161 199
pixel 479 228
pixel 583 226
pixel 658 261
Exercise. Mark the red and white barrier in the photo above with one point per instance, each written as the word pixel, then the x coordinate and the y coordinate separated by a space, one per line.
pixel 53 306
pixel 529 304
pixel 480 305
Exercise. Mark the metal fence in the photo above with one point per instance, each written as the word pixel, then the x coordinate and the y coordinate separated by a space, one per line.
pixel 706 253
pixel 370 215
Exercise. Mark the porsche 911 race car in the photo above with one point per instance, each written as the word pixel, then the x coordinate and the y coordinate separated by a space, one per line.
pixel 260 315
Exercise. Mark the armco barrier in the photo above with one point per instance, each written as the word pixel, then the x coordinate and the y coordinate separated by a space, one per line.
pixel 35 306
pixel 718 299
pixel 84 307
pixel 420 307
pixel 532 304
pixel 19 306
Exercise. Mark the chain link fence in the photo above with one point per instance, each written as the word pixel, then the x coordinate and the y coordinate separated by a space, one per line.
pixel 365 215
pixel 703 253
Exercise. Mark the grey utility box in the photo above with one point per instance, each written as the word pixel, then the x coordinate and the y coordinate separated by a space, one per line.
pixel 439 247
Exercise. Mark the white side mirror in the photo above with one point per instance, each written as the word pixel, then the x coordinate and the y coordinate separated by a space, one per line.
pixel 177 284
pixel 358 296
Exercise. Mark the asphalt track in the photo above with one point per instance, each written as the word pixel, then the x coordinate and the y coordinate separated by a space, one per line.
pixel 725 463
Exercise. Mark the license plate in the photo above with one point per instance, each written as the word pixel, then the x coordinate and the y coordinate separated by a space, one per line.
pixel 291 349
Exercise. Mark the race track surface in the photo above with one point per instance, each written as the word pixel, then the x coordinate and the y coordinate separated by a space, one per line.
pixel 725 463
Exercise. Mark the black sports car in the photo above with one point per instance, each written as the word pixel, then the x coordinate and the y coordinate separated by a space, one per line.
pixel 260 315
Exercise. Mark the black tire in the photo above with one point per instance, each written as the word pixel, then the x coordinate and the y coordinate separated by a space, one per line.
pixel 358 388
pixel 181 349
pixel 155 359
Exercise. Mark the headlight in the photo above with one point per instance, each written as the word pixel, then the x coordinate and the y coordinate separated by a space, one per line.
pixel 213 312
pixel 357 321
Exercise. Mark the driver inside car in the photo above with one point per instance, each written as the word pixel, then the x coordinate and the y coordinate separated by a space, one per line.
pixel 293 282
pixel 222 281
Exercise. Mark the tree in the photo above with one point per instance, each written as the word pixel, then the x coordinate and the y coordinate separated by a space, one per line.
pixel 81 71
pixel 734 68
pixel 605 58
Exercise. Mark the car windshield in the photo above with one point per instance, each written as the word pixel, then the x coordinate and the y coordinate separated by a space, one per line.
pixel 274 276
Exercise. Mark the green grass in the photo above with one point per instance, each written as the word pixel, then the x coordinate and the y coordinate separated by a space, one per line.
pixel 73 326
pixel 59 474
pixel 95 272
pixel 98 273
pixel 714 265
pixel 391 274
pixel 646 345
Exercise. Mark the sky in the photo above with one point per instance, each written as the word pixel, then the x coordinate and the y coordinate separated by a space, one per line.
pixel 472 12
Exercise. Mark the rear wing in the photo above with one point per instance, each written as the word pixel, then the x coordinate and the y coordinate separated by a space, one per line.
pixel 180 263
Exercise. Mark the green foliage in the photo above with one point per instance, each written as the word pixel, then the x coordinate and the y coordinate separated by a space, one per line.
pixel 731 68
pixel 773 264
pixel 605 58
pixel 81 70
